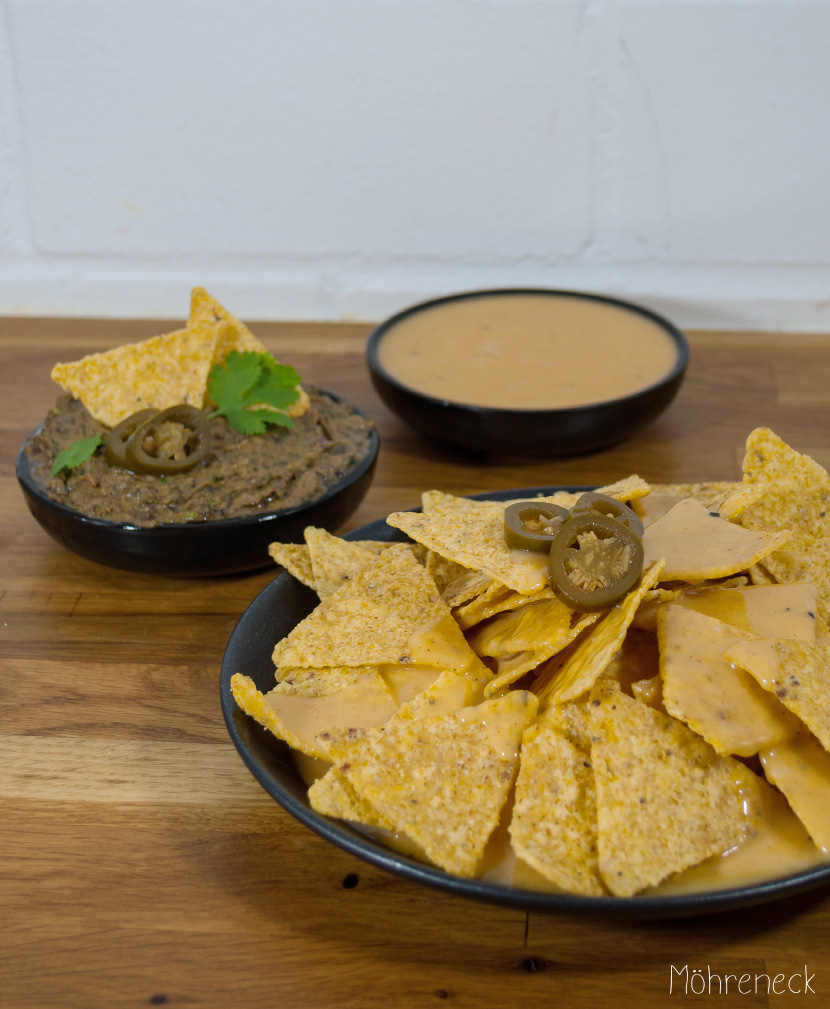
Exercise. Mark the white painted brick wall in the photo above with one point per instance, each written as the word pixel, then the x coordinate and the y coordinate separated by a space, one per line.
pixel 343 158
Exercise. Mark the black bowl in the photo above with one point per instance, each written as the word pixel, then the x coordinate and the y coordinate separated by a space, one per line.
pixel 273 613
pixel 196 549
pixel 554 432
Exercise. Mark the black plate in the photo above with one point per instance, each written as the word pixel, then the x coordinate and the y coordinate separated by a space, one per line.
pixel 272 614
pixel 496 431
pixel 189 549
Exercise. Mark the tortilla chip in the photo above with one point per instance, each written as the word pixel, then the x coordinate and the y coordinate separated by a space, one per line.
pixel 333 795
pixel 803 559
pixel 233 335
pixel 592 653
pixel 770 611
pixel 442 781
pixel 797 488
pixel 334 561
pixel 159 372
pixel 554 822
pixel 800 769
pixel 295 558
pixel 389 612
pixel 665 799
pixel 466 587
pixel 449 692
pixel 722 704
pixel 321 681
pixel 496 599
pixel 798 673
pixel 707 493
pixel 443 571
pixel 698 545
pixel 298 719
pixel 520 640
pixel 571 720
pixel 472 535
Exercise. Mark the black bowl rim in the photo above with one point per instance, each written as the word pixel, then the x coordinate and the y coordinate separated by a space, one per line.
pixel 24 476
pixel 377 334
pixel 374 853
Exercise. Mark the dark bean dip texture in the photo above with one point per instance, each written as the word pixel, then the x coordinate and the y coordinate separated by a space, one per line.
pixel 242 474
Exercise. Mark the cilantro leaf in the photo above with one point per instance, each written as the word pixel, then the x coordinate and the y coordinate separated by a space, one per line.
pixel 77 453
pixel 252 391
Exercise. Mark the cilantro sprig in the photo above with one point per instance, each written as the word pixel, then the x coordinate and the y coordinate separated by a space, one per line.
pixel 77 453
pixel 252 391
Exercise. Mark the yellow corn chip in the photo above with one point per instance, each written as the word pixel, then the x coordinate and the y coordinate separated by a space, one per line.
pixel 520 640
pixel 800 768
pixel 467 587
pixel 665 799
pixel 554 822
pixel 233 335
pixel 797 488
pixel 333 795
pixel 442 781
pixel 295 558
pixel 442 571
pixel 389 612
pixel 722 704
pixel 803 559
pixel 592 653
pixel 571 720
pixel 319 682
pixel 334 561
pixel 159 372
pixel 707 493
pixel 771 611
pixel 496 599
pixel 797 673
pixel 298 719
pixel 697 545
pixel 472 535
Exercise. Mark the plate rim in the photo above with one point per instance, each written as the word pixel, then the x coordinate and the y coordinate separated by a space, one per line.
pixel 355 842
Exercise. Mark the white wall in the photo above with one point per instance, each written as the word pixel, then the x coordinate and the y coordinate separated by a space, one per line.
pixel 343 158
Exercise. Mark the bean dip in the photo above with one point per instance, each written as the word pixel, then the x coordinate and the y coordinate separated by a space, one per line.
pixel 242 474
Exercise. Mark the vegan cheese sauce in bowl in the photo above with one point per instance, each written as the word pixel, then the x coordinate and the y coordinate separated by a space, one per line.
pixel 527 370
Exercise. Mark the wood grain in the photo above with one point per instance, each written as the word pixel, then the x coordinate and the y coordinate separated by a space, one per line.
pixel 141 863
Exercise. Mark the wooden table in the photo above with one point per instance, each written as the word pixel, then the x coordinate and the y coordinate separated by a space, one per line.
pixel 141 863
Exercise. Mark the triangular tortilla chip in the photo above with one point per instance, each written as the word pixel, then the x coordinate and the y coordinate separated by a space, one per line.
pixel 522 639
pixel 159 372
pixel 698 545
pixel 665 799
pixel 389 612
pixel 797 673
pixel 233 335
pixel 334 560
pixel 473 535
pixel 797 488
pixel 722 704
pixel 800 769
pixel 593 652
pixel 803 559
pixel 333 795
pixel 295 558
pixel 442 781
pixel 298 719
pixel 554 822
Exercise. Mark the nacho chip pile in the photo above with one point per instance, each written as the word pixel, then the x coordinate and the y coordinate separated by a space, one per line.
pixel 456 707
pixel 164 370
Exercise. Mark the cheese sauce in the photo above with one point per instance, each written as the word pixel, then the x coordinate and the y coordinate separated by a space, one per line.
pixel 527 351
